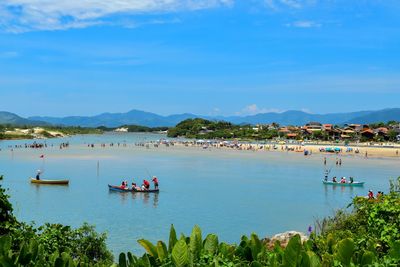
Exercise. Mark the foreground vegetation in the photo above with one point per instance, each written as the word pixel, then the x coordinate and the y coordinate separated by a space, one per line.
pixel 368 236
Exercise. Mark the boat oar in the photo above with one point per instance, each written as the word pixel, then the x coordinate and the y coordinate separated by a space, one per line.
pixel 148 173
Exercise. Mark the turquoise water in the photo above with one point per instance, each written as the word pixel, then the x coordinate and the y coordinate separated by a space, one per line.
pixel 223 191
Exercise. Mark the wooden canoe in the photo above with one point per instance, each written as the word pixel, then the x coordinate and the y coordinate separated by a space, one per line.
pixel 343 184
pixel 52 182
pixel 117 188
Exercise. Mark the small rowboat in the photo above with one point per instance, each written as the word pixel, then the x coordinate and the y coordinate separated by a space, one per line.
pixel 343 184
pixel 117 188
pixel 52 182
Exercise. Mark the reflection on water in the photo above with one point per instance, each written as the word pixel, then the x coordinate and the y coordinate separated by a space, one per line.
pixel 40 187
pixel 144 198
pixel 335 188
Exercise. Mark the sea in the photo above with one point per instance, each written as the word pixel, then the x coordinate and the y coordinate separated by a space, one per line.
pixel 225 191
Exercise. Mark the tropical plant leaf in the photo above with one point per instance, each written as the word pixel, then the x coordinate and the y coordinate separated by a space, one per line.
pixel 344 251
pixel 145 261
pixel 367 258
pixel 172 238
pixel 149 247
pixel 131 259
pixel 196 242
pixel 313 259
pixel 180 253
pixel 255 246
pixel 292 252
pixel 162 251
pixel 122 260
pixel 211 244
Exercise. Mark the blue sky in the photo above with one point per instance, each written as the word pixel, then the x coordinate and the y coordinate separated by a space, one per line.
pixel 219 57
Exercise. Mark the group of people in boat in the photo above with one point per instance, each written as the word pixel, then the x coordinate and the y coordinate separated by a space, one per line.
pixel 371 194
pixel 145 186
pixel 342 180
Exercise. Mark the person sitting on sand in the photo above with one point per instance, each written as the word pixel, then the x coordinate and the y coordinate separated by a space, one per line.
pixel 343 180
pixel 334 179
pixel 155 181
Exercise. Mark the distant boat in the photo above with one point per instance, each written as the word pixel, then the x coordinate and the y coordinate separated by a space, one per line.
pixel 117 188
pixel 50 182
pixel 343 184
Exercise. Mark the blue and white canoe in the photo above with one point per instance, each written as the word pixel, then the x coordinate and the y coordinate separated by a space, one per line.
pixel 343 184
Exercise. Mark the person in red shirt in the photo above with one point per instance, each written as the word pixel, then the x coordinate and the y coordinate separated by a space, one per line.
pixel 155 181
pixel 122 186
pixel 146 184
pixel 370 194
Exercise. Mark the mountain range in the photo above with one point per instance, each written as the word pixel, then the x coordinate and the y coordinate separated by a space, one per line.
pixel 137 117
pixel 11 118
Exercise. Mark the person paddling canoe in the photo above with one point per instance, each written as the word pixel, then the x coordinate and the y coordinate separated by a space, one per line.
pixel 38 175
pixel 146 184
pixel 155 181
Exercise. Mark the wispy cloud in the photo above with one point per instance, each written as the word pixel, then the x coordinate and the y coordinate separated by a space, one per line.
pixel 304 24
pixel 254 109
pixel 119 62
pixel 292 4
pixel 9 54
pixel 29 15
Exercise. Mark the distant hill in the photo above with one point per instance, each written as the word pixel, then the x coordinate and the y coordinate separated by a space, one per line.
pixel 11 118
pixel 133 117
pixel 385 115
pixel 292 117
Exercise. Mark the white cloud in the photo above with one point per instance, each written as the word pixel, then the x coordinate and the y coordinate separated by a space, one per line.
pixel 304 24
pixel 28 15
pixel 294 4
pixel 306 110
pixel 254 109
pixel 215 111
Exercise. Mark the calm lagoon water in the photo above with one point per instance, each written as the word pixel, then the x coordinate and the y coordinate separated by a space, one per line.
pixel 230 193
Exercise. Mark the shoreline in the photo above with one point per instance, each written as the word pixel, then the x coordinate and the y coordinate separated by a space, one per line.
pixel 372 152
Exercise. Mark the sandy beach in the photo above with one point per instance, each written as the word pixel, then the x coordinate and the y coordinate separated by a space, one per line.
pixel 361 150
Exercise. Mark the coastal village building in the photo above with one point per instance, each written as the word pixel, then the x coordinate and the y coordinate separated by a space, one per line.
pixel 368 134
pixel 347 132
pixel 314 126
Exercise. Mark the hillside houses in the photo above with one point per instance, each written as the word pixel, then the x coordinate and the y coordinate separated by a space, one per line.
pixel 353 132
